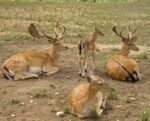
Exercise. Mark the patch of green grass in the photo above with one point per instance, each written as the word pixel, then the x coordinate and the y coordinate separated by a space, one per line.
pixel 143 56
pixel 41 93
pixel 112 95
pixel 23 36
pixel 144 115
pixel 79 35
pixel 67 110
pixel 93 114
pixel 15 101
pixel 128 99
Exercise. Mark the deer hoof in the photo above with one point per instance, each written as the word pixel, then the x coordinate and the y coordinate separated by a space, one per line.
pixel 86 70
pixel 80 74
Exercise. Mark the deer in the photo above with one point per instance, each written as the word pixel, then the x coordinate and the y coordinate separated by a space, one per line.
pixel 119 66
pixel 33 63
pixel 88 97
pixel 86 49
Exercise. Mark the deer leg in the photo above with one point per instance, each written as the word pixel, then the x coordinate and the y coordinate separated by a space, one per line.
pixel 85 68
pixel 99 106
pixel 80 116
pixel 139 75
pixel 93 60
pixel 24 75
pixel 48 69
pixel 80 67
pixel 54 70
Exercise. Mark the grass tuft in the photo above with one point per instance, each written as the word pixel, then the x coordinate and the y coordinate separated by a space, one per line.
pixel 93 114
pixel 66 110
pixel 40 93
pixel 14 101
pixel 128 100
pixel 112 95
pixel 144 115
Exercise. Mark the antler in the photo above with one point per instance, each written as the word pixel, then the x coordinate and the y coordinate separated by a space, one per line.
pixel 119 34
pixel 134 31
pixel 129 30
pixel 58 30
pixel 34 33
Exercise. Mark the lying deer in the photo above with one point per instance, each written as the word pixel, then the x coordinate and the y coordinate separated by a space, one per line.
pixel 88 97
pixel 33 63
pixel 86 48
pixel 119 66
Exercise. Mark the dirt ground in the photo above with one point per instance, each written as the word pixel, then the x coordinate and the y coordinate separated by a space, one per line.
pixel 42 109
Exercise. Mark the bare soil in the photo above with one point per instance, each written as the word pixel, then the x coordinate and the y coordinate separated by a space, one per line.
pixel 43 109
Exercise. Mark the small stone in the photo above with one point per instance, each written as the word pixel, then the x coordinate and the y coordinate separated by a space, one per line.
pixel 22 104
pixel 118 120
pixel 31 101
pixel 13 115
pixel 149 104
pixel 57 93
pixel 119 106
pixel 60 114
pixel 132 98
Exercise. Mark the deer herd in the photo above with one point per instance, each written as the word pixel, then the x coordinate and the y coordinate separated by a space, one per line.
pixel 85 97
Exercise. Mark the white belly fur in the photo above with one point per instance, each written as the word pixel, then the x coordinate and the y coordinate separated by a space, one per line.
pixel 35 69
pixel 87 109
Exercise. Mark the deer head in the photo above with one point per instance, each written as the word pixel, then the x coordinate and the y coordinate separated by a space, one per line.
pixel 128 41
pixel 98 84
pixel 98 32
pixel 56 41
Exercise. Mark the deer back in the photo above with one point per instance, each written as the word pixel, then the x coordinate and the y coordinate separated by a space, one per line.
pixel 120 67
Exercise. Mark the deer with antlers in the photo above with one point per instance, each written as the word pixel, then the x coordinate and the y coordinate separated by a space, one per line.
pixel 86 49
pixel 31 64
pixel 88 97
pixel 119 66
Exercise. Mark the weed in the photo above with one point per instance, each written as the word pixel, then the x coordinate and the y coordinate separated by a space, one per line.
pixel 14 101
pixel 40 93
pixel 144 115
pixel 112 95
pixel 93 114
pixel 66 110
pixel 128 100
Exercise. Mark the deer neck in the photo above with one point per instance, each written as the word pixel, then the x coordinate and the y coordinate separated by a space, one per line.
pixel 54 53
pixel 124 50
pixel 92 93
pixel 94 37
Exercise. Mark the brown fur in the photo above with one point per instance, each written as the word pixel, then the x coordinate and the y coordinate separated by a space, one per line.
pixel 119 66
pixel 31 64
pixel 86 48
pixel 88 96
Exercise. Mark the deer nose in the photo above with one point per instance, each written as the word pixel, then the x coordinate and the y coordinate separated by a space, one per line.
pixel 137 49
pixel 66 47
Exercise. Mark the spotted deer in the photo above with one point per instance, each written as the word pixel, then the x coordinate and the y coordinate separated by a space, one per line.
pixel 88 97
pixel 86 48
pixel 119 66
pixel 31 64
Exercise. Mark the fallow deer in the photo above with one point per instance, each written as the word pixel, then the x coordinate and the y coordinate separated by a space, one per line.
pixel 86 48
pixel 33 63
pixel 119 66
pixel 88 97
